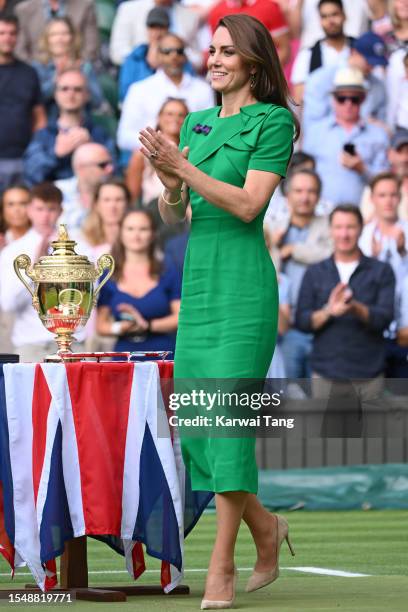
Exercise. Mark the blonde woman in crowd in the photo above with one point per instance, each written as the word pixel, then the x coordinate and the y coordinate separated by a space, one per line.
pixel 60 48
pixel 101 227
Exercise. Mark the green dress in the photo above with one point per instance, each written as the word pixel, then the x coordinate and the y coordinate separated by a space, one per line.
pixel 229 302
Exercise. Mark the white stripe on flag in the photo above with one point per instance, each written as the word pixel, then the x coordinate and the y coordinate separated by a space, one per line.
pixel 134 441
pixel 19 386
pixel 57 381
pixel 159 427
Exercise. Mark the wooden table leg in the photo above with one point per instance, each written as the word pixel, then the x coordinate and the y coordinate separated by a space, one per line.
pixel 74 564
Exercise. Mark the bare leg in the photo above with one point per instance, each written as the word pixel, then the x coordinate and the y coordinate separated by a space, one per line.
pixel 230 506
pixel 261 525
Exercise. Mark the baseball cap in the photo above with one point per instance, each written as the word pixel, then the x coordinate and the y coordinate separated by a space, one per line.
pixel 157 16
pixel 372 47
pixel 348 78
pixel 399 138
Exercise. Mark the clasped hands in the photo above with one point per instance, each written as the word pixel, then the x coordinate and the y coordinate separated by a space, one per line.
pixel 340 300
pixel 165 157
pixel 137 325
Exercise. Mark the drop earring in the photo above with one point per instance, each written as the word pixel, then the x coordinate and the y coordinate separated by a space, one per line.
pixel 252 79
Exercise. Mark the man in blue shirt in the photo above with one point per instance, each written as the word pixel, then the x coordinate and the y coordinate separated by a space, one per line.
pixel 348 150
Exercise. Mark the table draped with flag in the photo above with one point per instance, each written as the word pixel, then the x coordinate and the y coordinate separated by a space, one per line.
pixel 86 449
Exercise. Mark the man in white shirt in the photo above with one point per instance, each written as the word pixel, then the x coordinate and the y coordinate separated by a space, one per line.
pixel 91 163
pixel 129 27
pixel 29 337
pixel 332 50
pixel 386 236
pixel 145 98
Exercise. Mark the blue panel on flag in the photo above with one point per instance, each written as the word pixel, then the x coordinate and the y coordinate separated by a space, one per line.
pixel 6 478
pixel 56 526
pixel 156 523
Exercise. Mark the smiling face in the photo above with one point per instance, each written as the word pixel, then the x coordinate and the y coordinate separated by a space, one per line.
pixel 137 233
pixel 59 39
pixel 8 38
pixel 227 70
pixel 345 231
pixel 171 118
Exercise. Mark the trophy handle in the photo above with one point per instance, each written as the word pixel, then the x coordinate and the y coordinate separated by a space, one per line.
pixel 23 262
pixel 105 262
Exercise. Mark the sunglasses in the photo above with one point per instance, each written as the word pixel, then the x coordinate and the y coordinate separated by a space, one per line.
pixel 356 100
pixel 75 89
pixel 168 50
pixel 102 164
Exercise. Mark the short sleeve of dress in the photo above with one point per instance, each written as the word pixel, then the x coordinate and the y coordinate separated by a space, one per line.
pixel 105 295
pixel 172 282
pixel 183 134
pixel 275 143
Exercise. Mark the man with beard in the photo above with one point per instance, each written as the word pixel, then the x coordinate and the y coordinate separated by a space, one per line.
pixel 333 50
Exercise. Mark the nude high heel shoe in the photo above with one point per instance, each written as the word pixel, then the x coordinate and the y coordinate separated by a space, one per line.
pixel 208 604
pixel 261 579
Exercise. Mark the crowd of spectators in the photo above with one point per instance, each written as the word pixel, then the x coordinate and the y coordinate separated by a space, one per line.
pixel 80 78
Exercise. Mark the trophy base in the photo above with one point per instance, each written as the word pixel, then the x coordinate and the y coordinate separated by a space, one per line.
pixel 69 356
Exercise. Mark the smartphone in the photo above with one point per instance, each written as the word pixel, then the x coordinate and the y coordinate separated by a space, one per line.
pixel 349 148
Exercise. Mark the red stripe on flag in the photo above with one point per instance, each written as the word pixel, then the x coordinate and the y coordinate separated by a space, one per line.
pixel 100 397
pixel 40 408
pixel 51 579
pixel 6 547
pixel 167 386
pixel 138 560
pixel 165 574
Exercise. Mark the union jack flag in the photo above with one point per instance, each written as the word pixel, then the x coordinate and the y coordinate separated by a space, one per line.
pixel 86 449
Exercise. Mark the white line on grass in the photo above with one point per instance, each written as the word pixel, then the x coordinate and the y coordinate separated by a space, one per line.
pixel 308 570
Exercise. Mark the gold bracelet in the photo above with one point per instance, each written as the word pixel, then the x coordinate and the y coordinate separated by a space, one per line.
pixel 170 203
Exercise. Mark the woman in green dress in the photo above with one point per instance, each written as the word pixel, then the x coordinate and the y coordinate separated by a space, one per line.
pixel 230 160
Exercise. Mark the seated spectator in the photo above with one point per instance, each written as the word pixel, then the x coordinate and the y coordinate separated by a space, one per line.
pixel 100 229
pixel 347 301
pixel 354 150
pixel 397 115
pixel 332 50
pixel 367 52
pixel 145 98
pixel 140 305
pixel 129 28
pixel 29 337
pixel 145 58
pixel 33 16
pixel 141 178
pixel 296 243
pixel 310 30
pixel 398 159
pixel 21 111
pixel 14 221
pixel 91 163
pixel 266 11
pixel 278 209
pixel 60 48
pixel 386 236
pixel 398 39
pixel 7 7
pixel 48 157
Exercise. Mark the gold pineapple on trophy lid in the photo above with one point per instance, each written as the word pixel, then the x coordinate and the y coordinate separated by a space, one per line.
pixel 63 287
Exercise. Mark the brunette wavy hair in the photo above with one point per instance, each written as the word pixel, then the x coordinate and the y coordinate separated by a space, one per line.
pixel 119 254
pixel 254 44
pixel 92 227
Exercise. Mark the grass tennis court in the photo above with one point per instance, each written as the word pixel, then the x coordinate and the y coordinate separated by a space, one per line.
pixel 372 542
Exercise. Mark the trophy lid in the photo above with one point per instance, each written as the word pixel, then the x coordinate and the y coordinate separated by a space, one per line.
pixel 64 264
